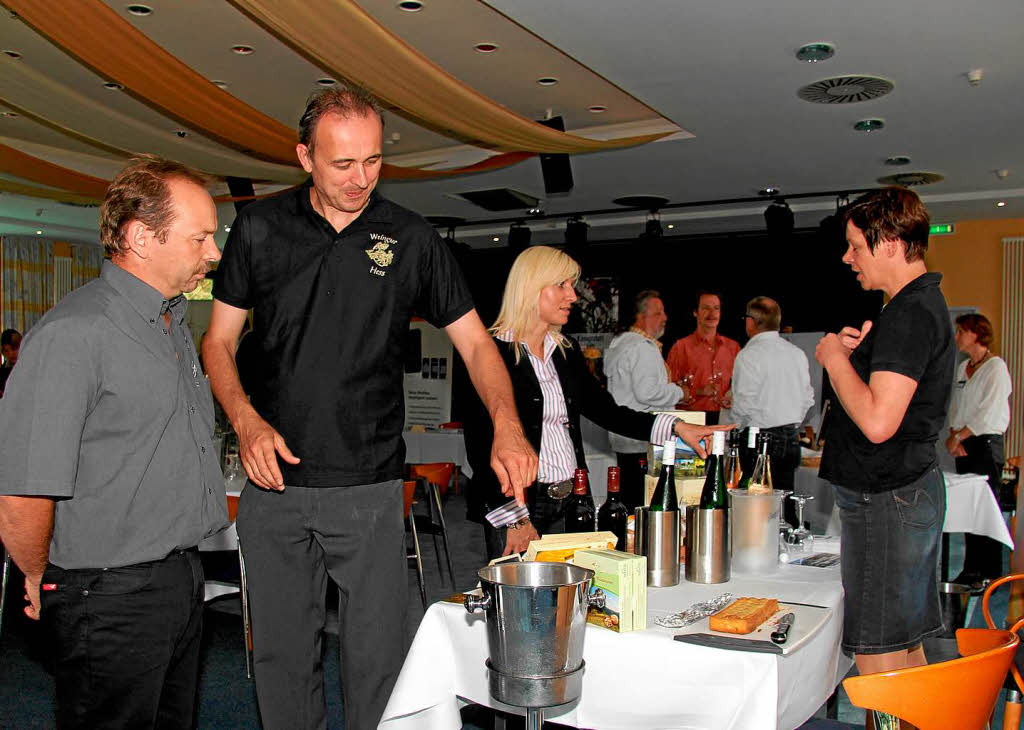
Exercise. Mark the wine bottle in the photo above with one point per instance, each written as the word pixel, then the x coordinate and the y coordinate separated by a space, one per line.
pixel 580 515
pixel 713 495
pixel 733 470
pixel 761 477
pixel 750 456
pixel 613 513
pixel 664 498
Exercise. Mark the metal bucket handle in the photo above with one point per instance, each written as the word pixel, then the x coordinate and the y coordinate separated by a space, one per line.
pixel 483 603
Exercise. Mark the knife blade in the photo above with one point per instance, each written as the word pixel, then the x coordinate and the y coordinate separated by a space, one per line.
pixel 781 633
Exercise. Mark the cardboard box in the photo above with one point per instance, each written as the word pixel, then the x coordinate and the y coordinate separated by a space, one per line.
pixel 622 578
pixel 561 548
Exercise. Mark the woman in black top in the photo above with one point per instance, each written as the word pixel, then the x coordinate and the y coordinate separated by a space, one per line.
pixel 552 388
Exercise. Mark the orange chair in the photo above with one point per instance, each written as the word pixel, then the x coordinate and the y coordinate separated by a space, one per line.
pixel 959 693
pixel 439 473
pixel 409 491
pixel 1012 708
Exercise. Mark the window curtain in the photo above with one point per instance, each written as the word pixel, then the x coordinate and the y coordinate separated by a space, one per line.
pixel 85 263
pixel 27 279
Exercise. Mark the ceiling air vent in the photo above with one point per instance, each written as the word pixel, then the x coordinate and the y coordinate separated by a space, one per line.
pixel 845 89
pixel 911 178
pixel 499 199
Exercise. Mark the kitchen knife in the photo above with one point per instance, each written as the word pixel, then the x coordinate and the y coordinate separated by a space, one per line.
pixel 781 633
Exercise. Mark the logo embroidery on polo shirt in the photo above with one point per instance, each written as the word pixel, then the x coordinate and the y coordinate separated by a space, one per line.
pixel 380 254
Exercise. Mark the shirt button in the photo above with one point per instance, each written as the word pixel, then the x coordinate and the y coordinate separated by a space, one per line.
pixel 203 449
pixel 191 409
pixel 85 592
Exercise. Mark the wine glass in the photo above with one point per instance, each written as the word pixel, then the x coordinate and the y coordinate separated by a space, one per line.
pixel 800 537
pixel 686 383
pixel 715 384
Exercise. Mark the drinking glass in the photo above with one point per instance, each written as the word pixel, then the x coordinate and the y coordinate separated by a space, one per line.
pixel 800 537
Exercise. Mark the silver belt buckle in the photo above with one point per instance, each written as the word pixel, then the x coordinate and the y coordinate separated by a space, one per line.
pixel 560 490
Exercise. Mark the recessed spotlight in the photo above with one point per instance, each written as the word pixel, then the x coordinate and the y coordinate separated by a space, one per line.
pixel 485 47
pixel 897 160
pixel 139 10
pixel 227 229
pixel 769 191
pixel 496 239
pixel 243 50
pixel 535 211
pixel 326 81
pixel 39 233
pixel 1001 204
pixel 814 52
pixel 597 109
pixel 113 86
pixel 869 125
pixel 11 54
pixel 671 225
pixel 219 84
pixel 547 81
pixel 410 6
pixel 181 133
pixel 8 114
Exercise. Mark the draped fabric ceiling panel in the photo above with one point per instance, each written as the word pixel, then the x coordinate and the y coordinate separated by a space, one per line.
pixel 101 40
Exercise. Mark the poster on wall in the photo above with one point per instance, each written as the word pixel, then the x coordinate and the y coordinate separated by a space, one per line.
pixel 597 306
pixel 428 385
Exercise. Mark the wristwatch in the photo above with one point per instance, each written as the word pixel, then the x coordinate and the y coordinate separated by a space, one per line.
pixel 518 523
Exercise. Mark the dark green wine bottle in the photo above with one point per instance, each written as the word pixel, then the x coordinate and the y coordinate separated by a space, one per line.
pixel 664 498
pixel 714 494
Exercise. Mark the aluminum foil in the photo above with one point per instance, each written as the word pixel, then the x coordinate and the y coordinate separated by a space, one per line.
pixel 694 613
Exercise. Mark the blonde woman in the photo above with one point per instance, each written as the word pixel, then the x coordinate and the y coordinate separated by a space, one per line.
pixel 552 389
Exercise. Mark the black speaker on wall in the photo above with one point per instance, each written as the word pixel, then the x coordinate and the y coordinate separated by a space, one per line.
pixel 556 169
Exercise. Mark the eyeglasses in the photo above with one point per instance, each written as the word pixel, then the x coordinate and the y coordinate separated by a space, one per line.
pixel 748 316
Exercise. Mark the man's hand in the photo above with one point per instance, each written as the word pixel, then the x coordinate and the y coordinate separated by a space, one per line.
pixel 517 540
pixel 954 445
pixel 851 337
pixel 727 399
pixel 513 460
pixel 259 445
pixel 33 609
pixel 830 347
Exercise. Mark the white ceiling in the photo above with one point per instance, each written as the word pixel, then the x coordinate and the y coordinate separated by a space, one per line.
pixel 723 71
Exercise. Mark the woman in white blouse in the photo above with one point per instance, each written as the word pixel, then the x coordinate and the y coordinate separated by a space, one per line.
pixel 978 416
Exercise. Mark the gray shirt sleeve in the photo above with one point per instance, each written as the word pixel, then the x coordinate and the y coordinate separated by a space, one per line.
pixel 44 408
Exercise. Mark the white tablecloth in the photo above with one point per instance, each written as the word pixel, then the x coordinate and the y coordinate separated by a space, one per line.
pixel 642 679
pixel 970 505
pixel 428 447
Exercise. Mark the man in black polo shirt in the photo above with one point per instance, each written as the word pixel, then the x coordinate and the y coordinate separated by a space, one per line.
pixel 892 378
pixel 334 272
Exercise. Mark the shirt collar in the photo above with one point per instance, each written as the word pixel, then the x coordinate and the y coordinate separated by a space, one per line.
pixel 767 335
pixel 377 209
pixel 550 343
pixel 643 333
pixel 143 298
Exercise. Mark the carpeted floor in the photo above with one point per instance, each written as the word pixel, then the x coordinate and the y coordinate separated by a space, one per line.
pixel 228 700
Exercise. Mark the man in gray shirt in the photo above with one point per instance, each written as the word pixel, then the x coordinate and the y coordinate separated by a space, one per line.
pixel 107 465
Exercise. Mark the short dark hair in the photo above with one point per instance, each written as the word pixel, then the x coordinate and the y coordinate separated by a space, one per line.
pixel 766 313
pixel 8 337
pixel 889 214
pixel 641 299
pixel 705 293
pixel 979 325
pixel 140 193
pixel 344 99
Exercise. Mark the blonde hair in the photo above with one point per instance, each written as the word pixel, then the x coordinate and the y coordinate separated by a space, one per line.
pixel 535 268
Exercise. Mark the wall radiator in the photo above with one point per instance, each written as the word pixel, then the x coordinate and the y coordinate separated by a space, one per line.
pixel 1012 338
pixel 61 277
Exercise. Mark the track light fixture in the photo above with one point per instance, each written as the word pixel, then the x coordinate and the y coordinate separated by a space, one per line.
pixel 518 236
pixel 652 229
pixel 778 217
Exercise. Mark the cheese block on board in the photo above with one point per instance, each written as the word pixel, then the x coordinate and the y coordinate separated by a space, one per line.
pixel 744 615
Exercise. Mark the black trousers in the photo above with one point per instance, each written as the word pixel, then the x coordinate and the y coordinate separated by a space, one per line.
pixel 982 554
pixel 785 460
pixel 292 541
pixel 126 642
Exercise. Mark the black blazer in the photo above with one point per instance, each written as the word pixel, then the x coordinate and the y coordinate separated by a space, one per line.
pixel 584 396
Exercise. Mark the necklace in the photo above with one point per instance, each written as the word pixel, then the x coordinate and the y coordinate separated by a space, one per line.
pixel 973 366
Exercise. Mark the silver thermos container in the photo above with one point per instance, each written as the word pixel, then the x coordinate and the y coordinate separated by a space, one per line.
pixel 656 536
pixel 708 545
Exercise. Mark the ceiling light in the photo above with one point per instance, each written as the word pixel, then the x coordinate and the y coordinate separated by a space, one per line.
pixel 410 6
pixel 219 84
pixel 869 125
pixel 242 50
pixel 496 239
pixel 1002 174
pixel 12 54
pixel 535 211
pixel 181 133
pixel 652 228
pixel 8 114
pixel 897 160
pixel 671 226
pixel 911 178
pixel 113 86
pixel 547 81
pixel 485 47
pixel 769 192
pixel 227 229
pixel 597 109
pixel 139 10
pixel 326 81
pixel 814 52
pixel 1001 204
pixel 39 233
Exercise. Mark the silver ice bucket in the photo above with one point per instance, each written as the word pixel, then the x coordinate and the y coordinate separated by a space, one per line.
pixel 536 621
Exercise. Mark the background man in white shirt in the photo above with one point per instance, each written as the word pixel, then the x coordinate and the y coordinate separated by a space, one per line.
pixel 771 389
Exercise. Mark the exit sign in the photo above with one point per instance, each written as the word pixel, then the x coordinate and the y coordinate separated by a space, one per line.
pixel 940 229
